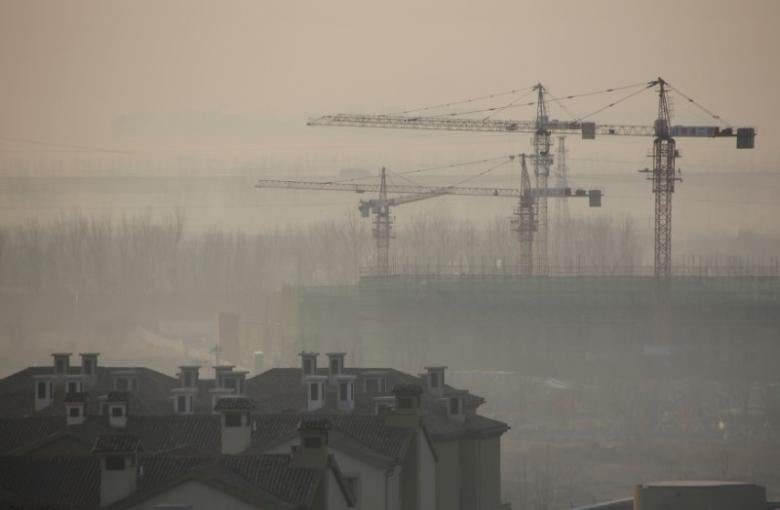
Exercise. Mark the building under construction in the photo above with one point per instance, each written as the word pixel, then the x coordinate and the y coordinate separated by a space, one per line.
pixel 563 327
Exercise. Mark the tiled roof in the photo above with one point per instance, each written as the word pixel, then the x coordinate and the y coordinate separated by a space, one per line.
pixel 69 482
pixel 367 432
pixel 280 390
pixel 73 483
pixel 184 435
pixel 234 404
pixel 150 397
pixel 117 443
pixel 258 476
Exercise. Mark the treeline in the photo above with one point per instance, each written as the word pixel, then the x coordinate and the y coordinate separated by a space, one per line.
pixel 85 254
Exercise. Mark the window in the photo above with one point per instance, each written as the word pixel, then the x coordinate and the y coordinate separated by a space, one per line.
pixel 312 442
pixel 229 382
pixel 181 404
pixel 187 378
pixel 434 380
pixel 454 405
pixel 74 412
pixel 335 367
pixel 314 391
pixel 232 420
pixel 87 367
pixel 60 366
pixel 117 411
pixel 41 390
pixel 308 366
pixel 73 387
pixel 115 462
pixel 344 391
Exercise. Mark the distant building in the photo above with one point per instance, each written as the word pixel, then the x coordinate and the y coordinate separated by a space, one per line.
pixel 692 495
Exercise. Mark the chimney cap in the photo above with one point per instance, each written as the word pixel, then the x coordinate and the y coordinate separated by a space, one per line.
pixel 190 367
pixel 223 367
pixel 234 404
pixel 314 424
pixel 410 390
pixel 62 354
pixel 76 398
pixel 308 353
pixel 436 368
pixel 85 354
pixel 335 354
pixel 117 443
pixel 118 396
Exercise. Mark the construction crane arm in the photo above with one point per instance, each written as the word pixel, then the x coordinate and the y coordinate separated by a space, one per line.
pixel 413 193
pixel 588 130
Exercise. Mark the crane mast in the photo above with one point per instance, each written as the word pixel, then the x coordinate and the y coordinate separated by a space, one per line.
pixel 663 177
pixel 542 160
pixel 525 221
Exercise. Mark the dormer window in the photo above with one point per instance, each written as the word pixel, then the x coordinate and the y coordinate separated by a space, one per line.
pixel 434 380
pixel 335 366
pixel 229 382
pixel 314 391
pixel 308 366
pixel 60 366
pixel 187 378
pixel 344 391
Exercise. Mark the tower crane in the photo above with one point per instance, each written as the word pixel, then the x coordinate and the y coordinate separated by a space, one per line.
pixel 664 149
pixel 380 208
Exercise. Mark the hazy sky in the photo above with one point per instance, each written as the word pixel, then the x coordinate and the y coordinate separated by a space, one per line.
pixel 72 70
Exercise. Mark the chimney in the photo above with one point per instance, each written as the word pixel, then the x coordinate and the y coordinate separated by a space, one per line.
pixel 117 406
pixel 235 381
pixel 218 394
pixel 435 380
pixel 75 408
pixel 118 466
pixel 259 362
pixel 44 391
pixel 89 364
pixel 312 452
pixel 183 400
pixel 407 412
pixel 454 402
pixel 346 392
pixel 308 363
pixel 384 405
pixel 74 383
pixel 188 376
pixel 335 365
pixel 315 391
pixel 61 363
pixel 235 424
